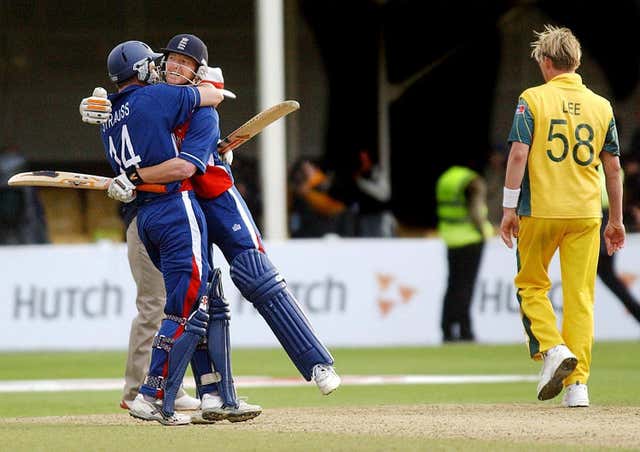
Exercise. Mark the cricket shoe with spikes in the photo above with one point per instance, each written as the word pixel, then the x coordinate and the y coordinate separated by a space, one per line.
pixel 326 378
pixel 146 408
pixel 558 364
pixel 213 409
pixel 183 403
pixel 576 395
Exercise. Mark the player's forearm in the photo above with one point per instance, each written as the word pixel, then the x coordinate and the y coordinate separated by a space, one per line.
pixel 516 165
pixel 210 96
pixel 477 195
pixel 614 187
pixel 615 201
pixel 173 170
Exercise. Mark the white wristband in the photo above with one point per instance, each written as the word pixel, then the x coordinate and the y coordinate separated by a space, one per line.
pixel 510 197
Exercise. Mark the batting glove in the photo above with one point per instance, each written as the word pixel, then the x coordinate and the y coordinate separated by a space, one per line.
pixel 197 322
pixel 121 189
pixel 214 76
pixel 97 108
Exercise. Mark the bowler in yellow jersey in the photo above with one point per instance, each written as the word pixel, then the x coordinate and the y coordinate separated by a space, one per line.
pixel 562 132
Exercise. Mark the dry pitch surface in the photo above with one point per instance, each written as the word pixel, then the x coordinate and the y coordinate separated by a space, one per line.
pixel 539 423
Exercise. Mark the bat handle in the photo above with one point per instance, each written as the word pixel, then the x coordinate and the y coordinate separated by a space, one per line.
pixel 152 188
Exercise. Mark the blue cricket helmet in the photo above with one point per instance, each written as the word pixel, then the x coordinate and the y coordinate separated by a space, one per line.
pixel 130 58
pixel 189 45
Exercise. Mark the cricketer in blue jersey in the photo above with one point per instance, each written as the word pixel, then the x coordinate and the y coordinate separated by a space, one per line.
pixel 232 228
pixel 171 225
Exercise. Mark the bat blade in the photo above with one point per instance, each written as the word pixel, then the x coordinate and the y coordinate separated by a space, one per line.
pixel 61 179
pixel 66 179
pixel 256 124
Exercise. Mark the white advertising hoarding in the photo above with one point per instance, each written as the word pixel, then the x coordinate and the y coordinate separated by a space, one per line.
pixel 355 293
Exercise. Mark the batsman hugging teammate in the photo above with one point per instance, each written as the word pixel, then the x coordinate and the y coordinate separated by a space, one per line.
pixel 225 211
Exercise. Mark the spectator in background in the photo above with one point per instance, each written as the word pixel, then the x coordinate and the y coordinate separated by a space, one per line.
pixel 371 196
pixel 314 213
pixel 631 165
pixel 22 218
pixel 632 195
pixel 606 270
pixel 354 203
pixel 463 225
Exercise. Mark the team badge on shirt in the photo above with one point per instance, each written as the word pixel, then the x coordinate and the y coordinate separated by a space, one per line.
pixel 520 109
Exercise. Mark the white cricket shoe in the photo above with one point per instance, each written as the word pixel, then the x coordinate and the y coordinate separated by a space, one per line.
pixel 576 395
pixel 558 364
pixel 187 403
pixel 244 411
pixel 213 409
pixel 211 401
pixel 182 403
pixel 326 378
pixel 148 409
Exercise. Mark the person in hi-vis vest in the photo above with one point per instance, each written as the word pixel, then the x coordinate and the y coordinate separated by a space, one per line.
pixel 463 225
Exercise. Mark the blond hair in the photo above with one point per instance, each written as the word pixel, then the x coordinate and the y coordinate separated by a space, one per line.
pixel 558 44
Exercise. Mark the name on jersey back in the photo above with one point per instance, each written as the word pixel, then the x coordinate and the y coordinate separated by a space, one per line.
pixel 117 116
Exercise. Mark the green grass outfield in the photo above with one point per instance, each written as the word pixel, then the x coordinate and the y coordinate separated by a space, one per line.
pixel 614 382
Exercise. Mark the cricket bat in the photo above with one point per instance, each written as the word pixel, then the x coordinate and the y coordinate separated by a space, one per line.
pixel 65 179
pixel 256 124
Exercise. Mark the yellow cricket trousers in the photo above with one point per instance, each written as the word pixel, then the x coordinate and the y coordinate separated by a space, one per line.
pixel 579 242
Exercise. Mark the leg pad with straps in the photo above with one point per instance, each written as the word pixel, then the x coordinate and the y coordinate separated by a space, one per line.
pixel 203 372
pixel 260 282
pixel 180 355
pixel 218 339
pixel 160 348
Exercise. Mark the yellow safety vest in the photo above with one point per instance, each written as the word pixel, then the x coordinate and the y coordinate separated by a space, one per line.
pixel 454 223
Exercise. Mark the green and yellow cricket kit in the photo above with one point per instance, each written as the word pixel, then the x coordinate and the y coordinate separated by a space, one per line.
pixel 566 126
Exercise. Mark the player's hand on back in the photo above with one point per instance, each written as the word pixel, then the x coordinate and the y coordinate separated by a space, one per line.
pixel 122 189
pixel 96 109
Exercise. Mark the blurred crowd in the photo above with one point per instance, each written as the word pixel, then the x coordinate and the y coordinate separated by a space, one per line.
pixel 357 204
pixel 351 203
